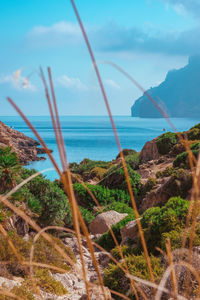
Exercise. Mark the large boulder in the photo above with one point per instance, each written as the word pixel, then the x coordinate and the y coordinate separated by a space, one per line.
pixel 129 231
pixel 149 151
pixel 105 220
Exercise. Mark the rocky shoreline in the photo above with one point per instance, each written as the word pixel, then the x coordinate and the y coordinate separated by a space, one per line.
pixel 26 148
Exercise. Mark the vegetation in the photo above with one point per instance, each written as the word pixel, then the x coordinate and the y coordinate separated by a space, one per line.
pixel 9 169
pixel 106 240
pixel 104 195
pixel 182 160
pixel 166 141
pixel 114 277
pixel 47 202
pixel 114 178
pixel 156 221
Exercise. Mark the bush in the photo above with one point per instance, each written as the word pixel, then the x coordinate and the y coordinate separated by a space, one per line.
pixel 115 279
pixel 125 250
pixel 166 141
pixel 133 160
pixel 194 134
pixel 46 199
pixel 114 178
pixel 43 253
pixel 87 165
pixel 98 172
pixel 119 207
pixel 10 169
pixel 182 159
pixel 87 215
pixel 165 173
pixel 126 152
pixel 156 220
pixel 106 241
pixel 102 194
pixel 49 284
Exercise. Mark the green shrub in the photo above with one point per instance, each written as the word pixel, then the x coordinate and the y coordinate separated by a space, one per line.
pixel 45 198
pixel 106 241
pixel 182 159
pixel 165 173
pixel 194 133
pixel 166 141
pixel 133 160
pixel 115 279
pixel 125 250
pixel 87 215
pixel 98 172
pixel 87 165
pixel 114 178
pixel 119 207
pixel 10 169
pixel 156 221
pixel 102 194
pixel 195 146
pixel 48 284
pixel 127 152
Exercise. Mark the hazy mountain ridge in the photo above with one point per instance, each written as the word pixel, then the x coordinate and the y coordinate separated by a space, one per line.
pixel 179 94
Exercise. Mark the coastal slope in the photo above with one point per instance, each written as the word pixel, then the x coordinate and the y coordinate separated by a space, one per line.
pixel 25 147
pixel 178 95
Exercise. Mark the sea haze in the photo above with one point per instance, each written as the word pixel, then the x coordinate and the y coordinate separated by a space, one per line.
pixel 92 137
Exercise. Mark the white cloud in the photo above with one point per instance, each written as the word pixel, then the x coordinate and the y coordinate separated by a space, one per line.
pixel 184 6
pixel 56 34
pixel 71 83
pixel 180 9
pixel 19 83
pixel 112 83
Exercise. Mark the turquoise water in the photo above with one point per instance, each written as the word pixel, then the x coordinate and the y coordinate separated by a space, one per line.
pixel 92 137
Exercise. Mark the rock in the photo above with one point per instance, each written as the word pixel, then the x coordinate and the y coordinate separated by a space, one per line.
pixel 129 231
pixel 105 220
pixel 149 151
pixel 178 185
pixel 97 293
pixel 8 283
pixel 24 146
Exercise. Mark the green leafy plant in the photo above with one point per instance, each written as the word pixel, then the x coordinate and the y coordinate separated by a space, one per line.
pixel 9 169
pixel 114 178
pixel 166 141
pixel 104 195
pixel 115 279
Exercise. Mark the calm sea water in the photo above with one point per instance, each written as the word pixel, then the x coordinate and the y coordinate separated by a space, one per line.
pixel 92 137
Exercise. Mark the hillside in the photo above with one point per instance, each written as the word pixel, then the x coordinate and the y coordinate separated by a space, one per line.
pixel 162 183
pixel 25 147
pixel 178 95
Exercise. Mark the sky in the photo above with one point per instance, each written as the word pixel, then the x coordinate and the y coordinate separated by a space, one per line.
pixel 147 38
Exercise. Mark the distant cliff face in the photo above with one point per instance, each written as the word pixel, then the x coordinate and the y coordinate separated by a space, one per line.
pixel 178 95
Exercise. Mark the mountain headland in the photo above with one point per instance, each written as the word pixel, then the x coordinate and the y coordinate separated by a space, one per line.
pixel 178 95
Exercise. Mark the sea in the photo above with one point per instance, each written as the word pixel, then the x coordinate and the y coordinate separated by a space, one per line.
pixel 92 136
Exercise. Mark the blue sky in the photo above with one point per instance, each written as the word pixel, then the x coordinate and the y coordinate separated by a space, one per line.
pixel 146 37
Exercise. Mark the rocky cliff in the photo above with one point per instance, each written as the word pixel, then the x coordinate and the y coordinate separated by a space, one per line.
pixel 178 95
pixel 26 148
